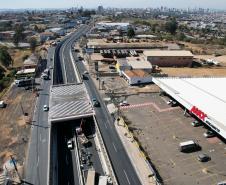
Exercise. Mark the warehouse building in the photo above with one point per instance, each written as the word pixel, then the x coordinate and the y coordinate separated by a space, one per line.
pixel 133 63
pixel 136 77
pixel 169 58
pixel 205 98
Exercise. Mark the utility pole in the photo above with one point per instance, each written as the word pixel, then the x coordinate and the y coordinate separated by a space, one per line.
pixel 15 167
pixel 22 108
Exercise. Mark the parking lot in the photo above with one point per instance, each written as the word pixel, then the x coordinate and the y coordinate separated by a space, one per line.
pixel 160 128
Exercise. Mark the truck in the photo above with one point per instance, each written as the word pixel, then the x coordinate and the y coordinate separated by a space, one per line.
pixel 24 82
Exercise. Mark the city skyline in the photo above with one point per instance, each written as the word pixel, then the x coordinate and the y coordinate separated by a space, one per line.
pixel 23 4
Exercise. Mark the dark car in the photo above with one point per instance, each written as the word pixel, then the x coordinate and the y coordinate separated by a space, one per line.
pixel 95 102
pixel 204 158
pixel 209 133
pixel 196 123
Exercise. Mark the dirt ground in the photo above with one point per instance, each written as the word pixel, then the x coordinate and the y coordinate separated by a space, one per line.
pixel 17 56
pixel 207 49
pixel 220 59
pixel 196 72
pixel 15 133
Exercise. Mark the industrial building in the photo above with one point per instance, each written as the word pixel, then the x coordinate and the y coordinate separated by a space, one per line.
pixel 169 58
pixel 113 25
pixel 205 98
pixel 133 63
pixel 136 77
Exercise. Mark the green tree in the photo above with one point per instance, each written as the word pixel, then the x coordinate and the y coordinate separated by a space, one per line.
pixel 33 44
pixel 181 36
pixel 171 26
pixel 130 33
pixel 5 57
pixel 18 36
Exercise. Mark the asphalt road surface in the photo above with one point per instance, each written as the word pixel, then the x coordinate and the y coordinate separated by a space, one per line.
pixel 124 170
pixel 65 72
pixel 37 160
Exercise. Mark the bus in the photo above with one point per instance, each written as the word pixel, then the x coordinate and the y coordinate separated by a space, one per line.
pixel 91 177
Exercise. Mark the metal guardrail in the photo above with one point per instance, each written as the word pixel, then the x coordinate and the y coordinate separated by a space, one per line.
pixel 81 179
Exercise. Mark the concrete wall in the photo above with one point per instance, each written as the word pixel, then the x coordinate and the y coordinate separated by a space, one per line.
pixel 166 61
pixel 137 80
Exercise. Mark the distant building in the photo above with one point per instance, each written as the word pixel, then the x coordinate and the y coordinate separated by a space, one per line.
pixel 58 31
pixel 167 58
pixel 113 25
pixel 46 36
pixel 7 35
pixel 100 10
pixel 136 77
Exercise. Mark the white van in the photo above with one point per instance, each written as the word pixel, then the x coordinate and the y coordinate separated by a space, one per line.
pixel 189 146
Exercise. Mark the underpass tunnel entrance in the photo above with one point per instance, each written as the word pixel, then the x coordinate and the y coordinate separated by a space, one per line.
pixel 67 138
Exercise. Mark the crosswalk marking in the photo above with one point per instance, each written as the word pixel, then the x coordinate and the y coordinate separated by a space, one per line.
pixel 147 105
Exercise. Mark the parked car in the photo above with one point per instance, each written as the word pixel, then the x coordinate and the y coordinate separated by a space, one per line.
pixel 95 102
pixel 70 144
pixel 221 183
pixel 204 158
pixel 2 104
pixel 209 133
pixel 86 72
pixel 124 103
pixel 84 77
pixel 189 146
pixel 45 108
pixel 169 102
pixel 196 123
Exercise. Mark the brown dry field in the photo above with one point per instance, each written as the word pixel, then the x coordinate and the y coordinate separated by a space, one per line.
pixel 196 72
pixel 15 133
pixel 17 56
pixel 207 49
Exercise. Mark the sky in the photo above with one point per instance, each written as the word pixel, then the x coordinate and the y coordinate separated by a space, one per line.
pixel 17 4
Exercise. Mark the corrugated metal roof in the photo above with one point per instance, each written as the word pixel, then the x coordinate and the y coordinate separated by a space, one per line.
pixel 207 94
pixel 69 101
pixel 170 53
pixel 139 64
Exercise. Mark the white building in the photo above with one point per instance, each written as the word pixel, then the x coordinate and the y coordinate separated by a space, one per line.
pixel 136 77
pixel 113 25
pixel 203 97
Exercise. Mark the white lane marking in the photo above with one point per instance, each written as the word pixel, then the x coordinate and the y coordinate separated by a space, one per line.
pixel 105 125
pixel 37 162
pixel 126 176
pixel 66 160
pixel 114 147
pixel 63 57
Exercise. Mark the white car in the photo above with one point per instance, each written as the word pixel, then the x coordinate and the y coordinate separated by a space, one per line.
pixel 45 108
pixel 124 103
pixel 169 102
pixel 86 72
pixel 70 144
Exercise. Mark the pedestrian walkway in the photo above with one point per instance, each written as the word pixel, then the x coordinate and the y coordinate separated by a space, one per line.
pixel 138 160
